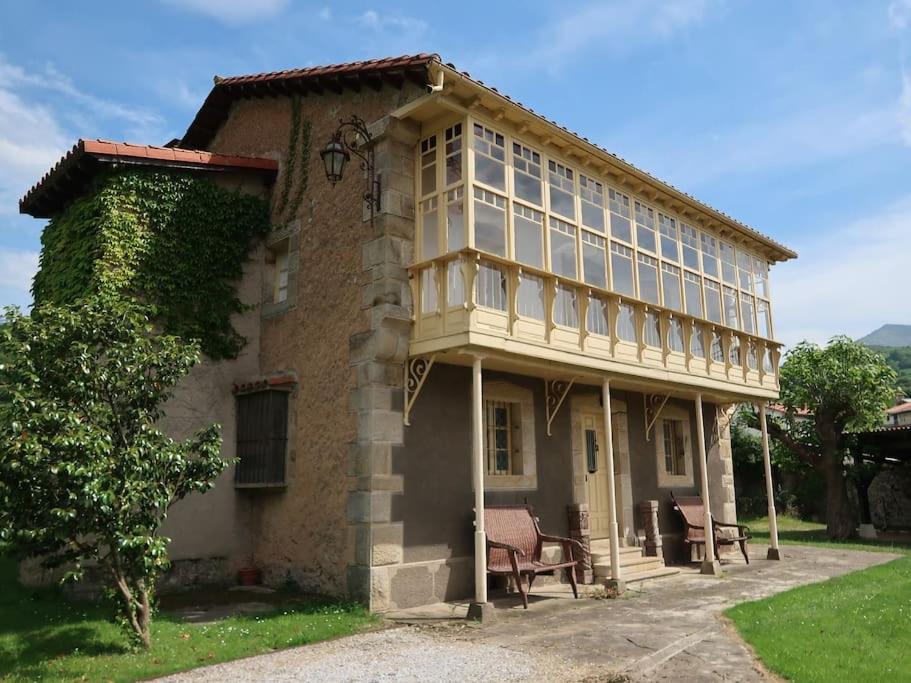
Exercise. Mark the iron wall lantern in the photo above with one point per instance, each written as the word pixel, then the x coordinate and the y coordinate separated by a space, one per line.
pixel 349 138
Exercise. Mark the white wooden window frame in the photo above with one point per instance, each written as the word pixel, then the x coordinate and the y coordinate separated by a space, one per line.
pixel 667 480
pixel 524 412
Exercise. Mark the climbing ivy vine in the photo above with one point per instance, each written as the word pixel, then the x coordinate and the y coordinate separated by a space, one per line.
pixel 171 239
pixel 298 153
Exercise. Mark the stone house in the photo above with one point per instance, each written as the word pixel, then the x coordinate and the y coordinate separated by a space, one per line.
pixel 512 315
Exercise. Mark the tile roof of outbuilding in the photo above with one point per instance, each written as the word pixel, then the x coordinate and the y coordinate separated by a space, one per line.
pixel 75 168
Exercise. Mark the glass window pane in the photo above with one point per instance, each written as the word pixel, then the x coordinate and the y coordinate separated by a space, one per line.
pixel 645 227
pixel 626 323
pixel 562 190
pixel 621 263
pixel 592 194
pixel 527 174
pixel 717 348
pixel 428 165
pixel 430 230
pixel 455 283
pixel 745 270
pixel 652 329
pixel 670 282
pixel 670 247
pixel 713 301
pixel 620 215
pixel 455 219
pixel 596 320
pixel 690 243
pixel 428 290
pixel 531 297
pixel 765 319
pixel 728 266
pixel 489 222
pixel 675 335
pixel 731 317
pixel 709 255
pixel 529 235
pixel 692 291
pixel 491 286
pixel 562 248
pixel 454 154
pixel 565 307
pixel 746 313
pixel 648 278
pixel 489 157
pixel 697 341
pixel 593 266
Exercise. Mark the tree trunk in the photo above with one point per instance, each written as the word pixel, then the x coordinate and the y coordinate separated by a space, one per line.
pixel 840 522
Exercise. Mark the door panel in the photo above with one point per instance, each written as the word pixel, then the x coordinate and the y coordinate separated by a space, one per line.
pixel 596 474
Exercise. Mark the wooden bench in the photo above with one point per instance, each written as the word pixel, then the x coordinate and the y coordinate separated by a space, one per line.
pixel 692 511
pixel 514 544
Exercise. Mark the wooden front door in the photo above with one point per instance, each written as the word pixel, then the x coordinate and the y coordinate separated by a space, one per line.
pixel 596 474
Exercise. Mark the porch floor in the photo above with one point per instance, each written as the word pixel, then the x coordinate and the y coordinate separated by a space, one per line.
pixel 667 629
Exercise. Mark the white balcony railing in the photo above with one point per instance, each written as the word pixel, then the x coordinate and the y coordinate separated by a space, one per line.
pixel 473 292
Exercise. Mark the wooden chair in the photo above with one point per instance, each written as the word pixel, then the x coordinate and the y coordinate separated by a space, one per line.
pixel 514 544
pixel 693 513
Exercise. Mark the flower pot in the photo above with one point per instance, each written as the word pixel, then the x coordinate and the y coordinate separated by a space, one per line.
pixel 248 576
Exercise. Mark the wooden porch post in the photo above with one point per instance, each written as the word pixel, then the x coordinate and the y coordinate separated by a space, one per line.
pixel 774 553
pixel 478 609
pixel 709 563
pixel 616 580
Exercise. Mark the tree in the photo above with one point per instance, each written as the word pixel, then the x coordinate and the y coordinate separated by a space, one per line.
pixel 86 477
pixel 845 386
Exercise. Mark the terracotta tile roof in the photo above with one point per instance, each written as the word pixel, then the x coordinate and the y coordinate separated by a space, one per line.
pixel 333 77
pixel 214 112
pixel 900 408
pixel 77 166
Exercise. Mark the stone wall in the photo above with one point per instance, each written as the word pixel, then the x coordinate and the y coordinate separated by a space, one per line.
pixel 301 533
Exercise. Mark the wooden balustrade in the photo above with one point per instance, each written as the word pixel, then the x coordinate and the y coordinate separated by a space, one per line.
pixel 471 291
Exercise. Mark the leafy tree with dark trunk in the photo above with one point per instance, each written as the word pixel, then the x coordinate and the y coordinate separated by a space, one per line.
pixel 845 386
pixel 86 477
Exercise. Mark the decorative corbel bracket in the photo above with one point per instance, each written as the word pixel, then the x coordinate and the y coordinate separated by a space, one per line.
pixel 652 404
pixel 416 371
pixel 555 392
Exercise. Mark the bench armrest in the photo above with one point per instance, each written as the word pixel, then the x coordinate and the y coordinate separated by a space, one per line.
pixel 741 528
pixel 505 546
pixel 567 543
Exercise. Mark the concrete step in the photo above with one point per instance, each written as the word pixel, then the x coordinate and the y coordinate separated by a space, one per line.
pixel 651 574
pixel 645 564
pixel 602 547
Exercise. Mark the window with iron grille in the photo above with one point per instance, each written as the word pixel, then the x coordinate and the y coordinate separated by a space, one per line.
pixel 262 438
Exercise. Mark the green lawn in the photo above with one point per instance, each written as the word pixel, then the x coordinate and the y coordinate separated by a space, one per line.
pixel 792 531
pixel 45 637
pixel 851 628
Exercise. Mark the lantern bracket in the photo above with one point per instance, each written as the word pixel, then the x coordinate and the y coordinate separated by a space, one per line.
pixel 353 136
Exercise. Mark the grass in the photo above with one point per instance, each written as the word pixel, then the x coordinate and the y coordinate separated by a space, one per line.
pixel 793 531
pixel 852 628
pixel 45 637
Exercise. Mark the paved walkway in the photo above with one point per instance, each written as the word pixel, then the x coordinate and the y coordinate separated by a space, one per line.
pixel 666 630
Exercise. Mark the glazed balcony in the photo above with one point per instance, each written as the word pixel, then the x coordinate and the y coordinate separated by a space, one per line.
pixel 473 302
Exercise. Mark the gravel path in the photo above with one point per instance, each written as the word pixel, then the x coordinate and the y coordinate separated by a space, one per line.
pixel 400 654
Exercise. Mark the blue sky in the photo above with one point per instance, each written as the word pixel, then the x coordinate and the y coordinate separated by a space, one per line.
pixel 794 117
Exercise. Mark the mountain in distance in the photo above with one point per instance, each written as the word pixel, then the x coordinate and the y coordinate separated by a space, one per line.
pixel 888 335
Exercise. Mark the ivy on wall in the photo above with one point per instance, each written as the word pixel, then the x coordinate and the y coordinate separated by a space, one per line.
pixel 298 154
pixel 173 239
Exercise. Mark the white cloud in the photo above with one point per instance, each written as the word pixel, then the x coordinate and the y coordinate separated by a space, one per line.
pixel 232 11
pixel 900 14
pixel 37 110
pixel 847 280
pixel 616 26
pixel 325 13
pixel 374 21
pixel 17 268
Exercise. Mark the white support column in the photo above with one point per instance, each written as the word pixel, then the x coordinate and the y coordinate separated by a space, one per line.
pixel 616 581
pixel 709 563
pixel 479 609
pixel 774 553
